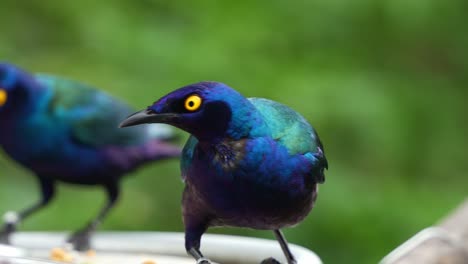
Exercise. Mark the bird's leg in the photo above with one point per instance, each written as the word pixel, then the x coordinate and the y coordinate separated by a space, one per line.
pixel 12 219
pixel 80 240
pixel 270 261
pixel 198 256
pixel 193 231
pixel 284 246
pixel 196 220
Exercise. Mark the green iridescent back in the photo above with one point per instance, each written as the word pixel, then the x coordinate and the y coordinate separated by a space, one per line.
pixel 287 126
pixel 93 114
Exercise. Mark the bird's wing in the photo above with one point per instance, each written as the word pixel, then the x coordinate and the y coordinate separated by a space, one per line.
pixel 287 126
pixel 187 155
pixel 292 130
pixel 93 116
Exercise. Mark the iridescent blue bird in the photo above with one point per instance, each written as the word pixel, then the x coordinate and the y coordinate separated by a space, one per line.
pixel 250 162
pixel 67 131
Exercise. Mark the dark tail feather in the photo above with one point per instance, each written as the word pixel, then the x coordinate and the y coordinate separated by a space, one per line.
pixel 128 158
pixel 158 150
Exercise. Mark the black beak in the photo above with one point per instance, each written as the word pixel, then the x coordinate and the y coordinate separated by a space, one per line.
pixel 145 117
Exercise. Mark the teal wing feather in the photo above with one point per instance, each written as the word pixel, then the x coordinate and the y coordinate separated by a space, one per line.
pixel 287 126
pixel 292 130
pixel 92 115
pixel 187 155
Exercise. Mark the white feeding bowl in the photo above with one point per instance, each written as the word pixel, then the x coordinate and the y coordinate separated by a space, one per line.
pixel 16 260
pixel 159 247
pixel 9 251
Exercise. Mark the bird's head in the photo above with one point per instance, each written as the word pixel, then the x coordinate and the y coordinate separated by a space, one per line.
pixel 207 110
pixel 13 85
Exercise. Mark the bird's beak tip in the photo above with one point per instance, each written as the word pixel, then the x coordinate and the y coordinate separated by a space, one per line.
pixel 137 118
pixel 145 117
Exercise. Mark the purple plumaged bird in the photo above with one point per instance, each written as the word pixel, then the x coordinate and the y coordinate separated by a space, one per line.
pixel 65 131
pixel 250 162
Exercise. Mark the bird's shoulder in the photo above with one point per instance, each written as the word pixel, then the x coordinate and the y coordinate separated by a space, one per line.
pixel 291 130
pixel 287 126
pixel 92 115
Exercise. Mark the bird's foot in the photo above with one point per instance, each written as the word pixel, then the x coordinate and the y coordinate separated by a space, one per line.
pixel 5 236
pixel 80 240
pixel 270 261
pixel 11 220
pixel 203 261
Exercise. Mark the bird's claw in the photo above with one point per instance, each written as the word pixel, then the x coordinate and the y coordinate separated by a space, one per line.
pixel 5 238
pixel 80 240
pixel 270 261
pixel 5 233
pixel 203 261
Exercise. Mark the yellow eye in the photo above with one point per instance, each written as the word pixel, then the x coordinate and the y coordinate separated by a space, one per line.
pixel 3 97
pixel 193 102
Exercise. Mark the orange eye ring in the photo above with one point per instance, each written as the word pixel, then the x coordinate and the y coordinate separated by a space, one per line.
pixel 3 97
pixel 193 103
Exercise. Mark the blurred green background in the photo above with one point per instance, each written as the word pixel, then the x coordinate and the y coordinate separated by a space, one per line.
pixel 383 82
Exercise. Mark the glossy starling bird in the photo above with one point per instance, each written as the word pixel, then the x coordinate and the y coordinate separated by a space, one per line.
pixel 250 162
pixel 67 131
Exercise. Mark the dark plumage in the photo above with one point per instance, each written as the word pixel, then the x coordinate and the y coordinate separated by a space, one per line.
pixel 249 162
pixel 66 131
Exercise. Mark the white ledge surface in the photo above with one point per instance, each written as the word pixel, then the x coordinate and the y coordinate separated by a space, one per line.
pixel 163 248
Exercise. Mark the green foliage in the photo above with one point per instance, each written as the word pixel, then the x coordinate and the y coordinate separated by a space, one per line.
pixel 383 82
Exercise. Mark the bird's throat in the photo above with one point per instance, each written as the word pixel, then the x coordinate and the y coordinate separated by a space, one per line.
pixel 227 153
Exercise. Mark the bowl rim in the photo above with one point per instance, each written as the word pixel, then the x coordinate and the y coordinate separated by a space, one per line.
pixel 223 248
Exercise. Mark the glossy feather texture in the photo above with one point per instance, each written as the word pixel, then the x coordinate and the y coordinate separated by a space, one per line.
pixel 68 131
pixel 249 162
pixel 266 181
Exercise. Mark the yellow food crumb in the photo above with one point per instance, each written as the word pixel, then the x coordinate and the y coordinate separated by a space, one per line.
pixel 59 254
pixel 149 262
pixel 90 253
